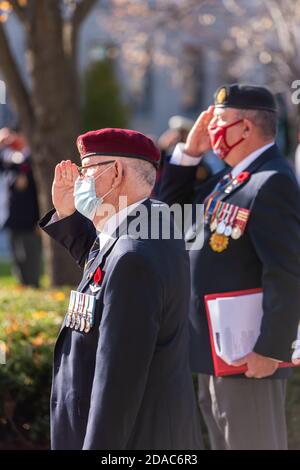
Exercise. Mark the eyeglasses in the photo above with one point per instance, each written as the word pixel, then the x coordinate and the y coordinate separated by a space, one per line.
pixel 82 169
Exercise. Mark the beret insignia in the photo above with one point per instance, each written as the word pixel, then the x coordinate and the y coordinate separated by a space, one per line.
pixel 221 96
pixel 80 146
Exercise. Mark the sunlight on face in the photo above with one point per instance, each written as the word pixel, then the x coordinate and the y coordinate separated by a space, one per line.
pixel 224 116
pixel 94 165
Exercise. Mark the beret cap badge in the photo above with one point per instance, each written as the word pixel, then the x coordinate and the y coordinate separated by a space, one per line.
pixel 80 146
pixel 221 96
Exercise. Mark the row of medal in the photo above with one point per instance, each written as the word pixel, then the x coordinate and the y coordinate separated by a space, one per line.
pixel 225 220
pixel 81 311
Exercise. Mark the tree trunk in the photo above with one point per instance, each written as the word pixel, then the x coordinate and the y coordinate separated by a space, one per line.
pixel 56 119
pixel 49 111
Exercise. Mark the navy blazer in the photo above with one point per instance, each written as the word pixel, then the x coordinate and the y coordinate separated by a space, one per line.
pixel 267 256
pixel 127 383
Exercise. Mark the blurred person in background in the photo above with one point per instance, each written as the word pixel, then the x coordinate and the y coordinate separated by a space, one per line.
pixel 21 214
pixel 178 129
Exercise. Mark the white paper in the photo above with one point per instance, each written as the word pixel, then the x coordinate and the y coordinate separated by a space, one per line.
pixel 236 325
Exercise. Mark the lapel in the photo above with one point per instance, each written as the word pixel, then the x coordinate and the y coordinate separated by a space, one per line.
pixel 97 262
pixel 121 230
pixel 268 155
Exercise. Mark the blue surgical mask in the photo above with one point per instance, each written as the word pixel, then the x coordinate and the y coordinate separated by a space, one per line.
pixel 86 200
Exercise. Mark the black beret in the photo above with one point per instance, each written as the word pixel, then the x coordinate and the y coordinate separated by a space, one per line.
pixel 245 97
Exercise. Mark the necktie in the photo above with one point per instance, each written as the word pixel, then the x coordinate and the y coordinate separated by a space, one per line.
pixel 220 185
pixel 223 182
pixel 92 254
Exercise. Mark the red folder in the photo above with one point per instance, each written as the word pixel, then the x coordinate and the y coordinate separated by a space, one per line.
pixel 222 368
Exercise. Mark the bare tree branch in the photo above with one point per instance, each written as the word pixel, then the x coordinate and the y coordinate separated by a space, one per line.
pixel 81 11
pixel 14 81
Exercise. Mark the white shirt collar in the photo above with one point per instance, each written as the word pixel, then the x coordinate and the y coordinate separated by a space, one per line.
pixel 249 159
pixel 116 220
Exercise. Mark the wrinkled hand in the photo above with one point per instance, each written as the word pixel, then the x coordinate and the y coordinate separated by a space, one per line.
pixel 65 176
pixel 198 141
pixel 258 366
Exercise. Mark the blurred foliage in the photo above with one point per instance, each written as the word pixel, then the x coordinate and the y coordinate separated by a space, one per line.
pixel 103 105
pixel 29 323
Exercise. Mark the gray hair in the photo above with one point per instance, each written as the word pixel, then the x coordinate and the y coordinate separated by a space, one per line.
pixel 266 121
pixel 145 171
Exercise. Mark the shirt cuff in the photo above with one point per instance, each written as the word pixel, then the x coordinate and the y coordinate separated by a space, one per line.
pixel 275 360
pixel 54 218
pixel 183 159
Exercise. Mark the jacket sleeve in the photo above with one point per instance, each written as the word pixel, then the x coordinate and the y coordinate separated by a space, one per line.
pixel 274 228
pixel 127 339
pixel 179 185
pixel 76 233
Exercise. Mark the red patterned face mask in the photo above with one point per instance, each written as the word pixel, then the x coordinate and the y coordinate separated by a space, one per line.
pixel 218 139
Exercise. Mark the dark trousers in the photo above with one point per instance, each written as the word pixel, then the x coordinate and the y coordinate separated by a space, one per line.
pixel 26 246
pixel 243 414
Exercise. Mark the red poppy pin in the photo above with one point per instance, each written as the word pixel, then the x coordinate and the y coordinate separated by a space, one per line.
pixel 98 276
pixel 243 176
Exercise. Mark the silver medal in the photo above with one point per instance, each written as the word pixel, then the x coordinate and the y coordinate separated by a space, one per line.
pixel 228 231
pixel 221 228
pixel 236 233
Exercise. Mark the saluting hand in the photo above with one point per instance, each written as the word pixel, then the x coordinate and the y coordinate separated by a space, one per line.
pixel 198 141
pixel 65 176
pixel 258 366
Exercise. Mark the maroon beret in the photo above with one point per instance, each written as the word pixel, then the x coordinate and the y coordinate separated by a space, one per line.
pixel 118 143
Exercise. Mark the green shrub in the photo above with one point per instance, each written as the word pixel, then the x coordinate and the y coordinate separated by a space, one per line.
pixel 29 323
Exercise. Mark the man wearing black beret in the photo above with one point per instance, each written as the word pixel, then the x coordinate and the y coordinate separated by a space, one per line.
pixel 121 377
pixel 252 240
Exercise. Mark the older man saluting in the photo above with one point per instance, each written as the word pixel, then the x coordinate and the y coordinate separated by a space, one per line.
pixel 121 376
pixel 252 240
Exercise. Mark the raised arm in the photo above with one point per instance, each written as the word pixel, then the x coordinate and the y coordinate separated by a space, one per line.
pixel 69 228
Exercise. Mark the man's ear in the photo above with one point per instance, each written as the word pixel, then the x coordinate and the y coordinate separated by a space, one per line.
pixel 248 128
pixel 118 173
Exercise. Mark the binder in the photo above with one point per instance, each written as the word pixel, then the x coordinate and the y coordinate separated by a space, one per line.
pixel 221 367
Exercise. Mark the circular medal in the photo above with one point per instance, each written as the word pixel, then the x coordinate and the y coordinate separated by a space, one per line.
pixel 221 228
pixel 213 225
pixel 218 242
pixel 87 326
pixel 236 233
pixel 73 320
pixel 82 324
pixel 77 322
pixel 228 231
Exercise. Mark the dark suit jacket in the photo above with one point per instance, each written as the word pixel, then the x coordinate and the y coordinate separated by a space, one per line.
pixel 267 256
pixel 127 383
